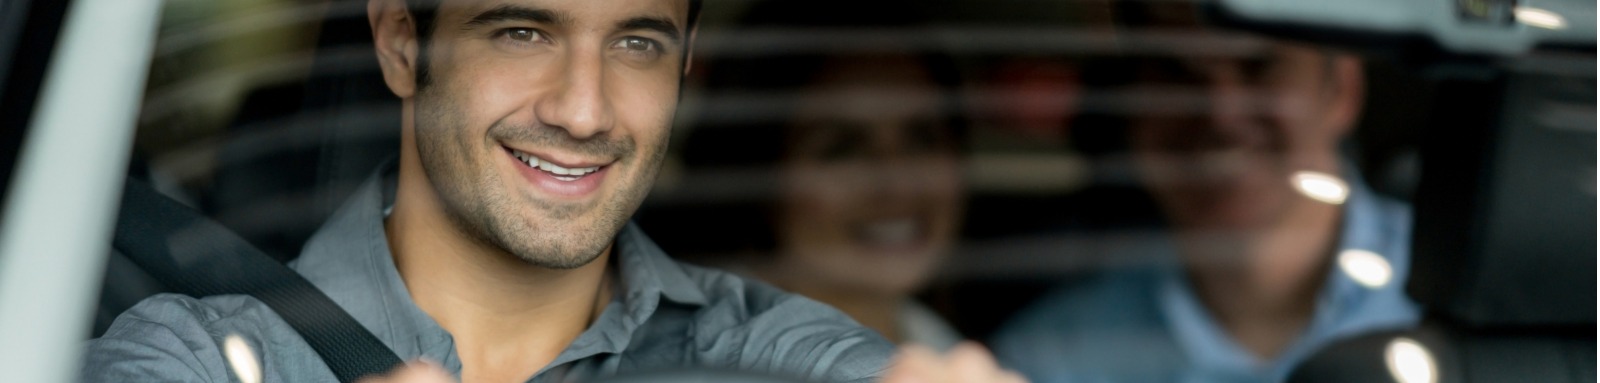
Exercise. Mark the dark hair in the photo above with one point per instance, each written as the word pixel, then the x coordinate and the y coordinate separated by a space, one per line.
pixel 423 14
pixel 1104 132
pixel 734 78
pixel 742 125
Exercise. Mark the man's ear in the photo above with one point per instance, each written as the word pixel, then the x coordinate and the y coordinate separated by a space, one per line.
pixel 394 36
pixel 1349 93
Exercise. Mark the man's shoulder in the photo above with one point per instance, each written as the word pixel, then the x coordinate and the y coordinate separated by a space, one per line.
pixel 1119 297
pixel 734 301
pixel 1114 304
pixel 749 323
pixel 191 316
pixel 178 338
pixel 205 310
pixel 1102 327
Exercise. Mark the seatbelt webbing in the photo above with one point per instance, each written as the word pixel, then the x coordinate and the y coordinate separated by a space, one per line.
pixel 199 257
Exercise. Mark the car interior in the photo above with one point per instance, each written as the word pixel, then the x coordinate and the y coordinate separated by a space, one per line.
pixel 1493 151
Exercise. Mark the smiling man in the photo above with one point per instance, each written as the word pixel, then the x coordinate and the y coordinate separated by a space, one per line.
pixel 498 245
pixel 1250 276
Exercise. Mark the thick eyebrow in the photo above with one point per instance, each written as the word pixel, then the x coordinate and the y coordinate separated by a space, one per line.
pixel 519 13
pixel 665 26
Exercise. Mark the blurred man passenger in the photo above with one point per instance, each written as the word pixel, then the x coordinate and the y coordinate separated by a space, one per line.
pixel 1276 247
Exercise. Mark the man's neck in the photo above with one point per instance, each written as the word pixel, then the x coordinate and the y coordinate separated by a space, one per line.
pixel 1262 286
pixel 509 318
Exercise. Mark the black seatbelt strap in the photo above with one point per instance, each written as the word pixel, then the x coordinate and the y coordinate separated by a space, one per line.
pixel 199 257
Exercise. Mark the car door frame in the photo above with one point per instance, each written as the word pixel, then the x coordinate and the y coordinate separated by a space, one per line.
pixel 70 163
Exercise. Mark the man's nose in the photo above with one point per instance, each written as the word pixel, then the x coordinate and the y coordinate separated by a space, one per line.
pixel 1229 100
pixel 578 101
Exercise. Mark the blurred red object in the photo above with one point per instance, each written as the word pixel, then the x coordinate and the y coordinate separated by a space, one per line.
pixel 1034 97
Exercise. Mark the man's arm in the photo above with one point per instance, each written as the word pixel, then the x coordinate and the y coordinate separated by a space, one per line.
pixel 160 339
pixel 801 338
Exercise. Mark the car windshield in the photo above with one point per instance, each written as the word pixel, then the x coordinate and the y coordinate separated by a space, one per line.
pixel 1091 189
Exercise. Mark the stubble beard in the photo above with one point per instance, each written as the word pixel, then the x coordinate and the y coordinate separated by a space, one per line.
pixel 478 204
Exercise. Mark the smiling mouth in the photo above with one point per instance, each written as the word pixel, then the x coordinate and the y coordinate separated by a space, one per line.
pixel 559 172
pixel 892 233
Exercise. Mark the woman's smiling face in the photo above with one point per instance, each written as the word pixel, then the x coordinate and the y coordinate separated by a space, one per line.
pixel 871 180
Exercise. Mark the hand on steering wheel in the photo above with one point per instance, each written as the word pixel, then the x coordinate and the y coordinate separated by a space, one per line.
pixel 967 362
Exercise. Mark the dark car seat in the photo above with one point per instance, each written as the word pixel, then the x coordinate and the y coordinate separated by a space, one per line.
pixel 296 150
pixel 1504 247
pixel 291 154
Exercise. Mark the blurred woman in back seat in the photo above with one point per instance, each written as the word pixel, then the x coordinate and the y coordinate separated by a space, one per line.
pixel 860 144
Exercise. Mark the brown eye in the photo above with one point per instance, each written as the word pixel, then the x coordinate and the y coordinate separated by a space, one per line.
pixel 927 136
pixel 638 48
pixel 840 141
pixel 637 44
pixel 519 39
pixel 522 34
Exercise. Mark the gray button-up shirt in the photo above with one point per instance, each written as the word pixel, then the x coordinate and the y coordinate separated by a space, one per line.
pixel 666 315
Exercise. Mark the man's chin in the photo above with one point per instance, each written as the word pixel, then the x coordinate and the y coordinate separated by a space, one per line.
pixel 559 258
pixel 1236 213
pixel 560 263
pixel 562 243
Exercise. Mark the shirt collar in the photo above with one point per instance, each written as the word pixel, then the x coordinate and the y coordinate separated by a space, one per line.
pixel 349 260
pixel 646 275
pixel 1378 225
pixel 647 271
pixel 1369 222
pixel 1364 225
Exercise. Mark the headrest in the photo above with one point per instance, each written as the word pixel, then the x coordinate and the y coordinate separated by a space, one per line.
pixel 1505 234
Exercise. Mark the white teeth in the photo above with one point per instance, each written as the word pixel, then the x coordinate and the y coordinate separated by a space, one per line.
pixel 554 169
pixel 571 173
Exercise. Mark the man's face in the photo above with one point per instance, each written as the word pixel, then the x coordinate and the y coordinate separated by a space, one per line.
pixel 543 122
pixel 1234 129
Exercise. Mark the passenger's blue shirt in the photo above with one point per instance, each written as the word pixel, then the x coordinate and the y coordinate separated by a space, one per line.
pixel 1145 324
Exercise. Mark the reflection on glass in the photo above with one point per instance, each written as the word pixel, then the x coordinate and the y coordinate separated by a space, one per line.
pixel 1366 267
pixel 1410 362
pixel 1321 186
pixel 1535 17
pixel 242 359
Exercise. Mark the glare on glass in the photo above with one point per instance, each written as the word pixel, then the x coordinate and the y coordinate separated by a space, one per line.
pixel 1535 17
pixel 1321 186
pixel 242 359
pixel 1410 362
pixel 1366 268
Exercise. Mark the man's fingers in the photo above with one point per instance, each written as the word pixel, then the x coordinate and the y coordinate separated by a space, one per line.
pixel 917 352
pixel 968 362
pixel 914 364
pixel 1008 376
pixel 415 372
pixel 970 355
